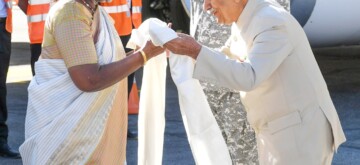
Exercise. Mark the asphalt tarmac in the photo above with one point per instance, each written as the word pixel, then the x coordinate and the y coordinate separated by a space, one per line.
pixel 340 67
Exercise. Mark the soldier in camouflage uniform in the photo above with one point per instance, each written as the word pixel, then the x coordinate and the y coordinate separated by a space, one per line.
pixel 285 4
pixel 225 103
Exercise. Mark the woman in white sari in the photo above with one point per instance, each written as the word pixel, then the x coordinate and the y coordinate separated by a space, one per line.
pixel 77 108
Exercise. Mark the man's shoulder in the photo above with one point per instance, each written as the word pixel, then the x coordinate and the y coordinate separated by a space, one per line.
pixel 270 15
pixel 267 18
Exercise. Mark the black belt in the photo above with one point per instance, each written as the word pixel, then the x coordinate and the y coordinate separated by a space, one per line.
pixel 2 19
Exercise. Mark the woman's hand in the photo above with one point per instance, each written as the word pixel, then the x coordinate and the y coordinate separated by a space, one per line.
pixel 184 45
pixel 151 50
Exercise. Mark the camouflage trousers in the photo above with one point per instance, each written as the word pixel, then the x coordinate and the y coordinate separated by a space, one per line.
pixel 231 118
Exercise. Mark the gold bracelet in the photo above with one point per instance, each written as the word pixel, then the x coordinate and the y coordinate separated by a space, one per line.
pixel 144 56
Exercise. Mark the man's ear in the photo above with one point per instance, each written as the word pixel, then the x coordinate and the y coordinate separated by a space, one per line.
pixel 207 5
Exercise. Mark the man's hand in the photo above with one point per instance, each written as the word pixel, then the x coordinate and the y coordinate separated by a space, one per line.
pixel 184 45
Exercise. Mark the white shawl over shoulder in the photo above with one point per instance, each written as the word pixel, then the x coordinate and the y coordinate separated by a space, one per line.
pixel 204 135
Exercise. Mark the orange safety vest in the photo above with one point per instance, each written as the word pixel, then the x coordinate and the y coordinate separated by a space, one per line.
pixel 8 23
pixel 37 11
pixel 119 10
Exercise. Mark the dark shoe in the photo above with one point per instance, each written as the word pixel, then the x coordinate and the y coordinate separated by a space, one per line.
pixel 7 152
pixel 131 135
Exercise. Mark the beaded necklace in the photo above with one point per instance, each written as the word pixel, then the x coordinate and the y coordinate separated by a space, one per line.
pixel 89 7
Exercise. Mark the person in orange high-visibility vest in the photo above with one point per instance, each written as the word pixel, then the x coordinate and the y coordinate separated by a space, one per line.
pixel 5 52
pixel 36 11
pixel 127 15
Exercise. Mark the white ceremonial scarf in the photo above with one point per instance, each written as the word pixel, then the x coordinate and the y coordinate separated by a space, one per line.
pixel 151 120
pixel 206 141
pixel 64 124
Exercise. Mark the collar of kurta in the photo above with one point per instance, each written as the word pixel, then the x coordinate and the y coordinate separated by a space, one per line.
pixel 247 13
pixel 251 7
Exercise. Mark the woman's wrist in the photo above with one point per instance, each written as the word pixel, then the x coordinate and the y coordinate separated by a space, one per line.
pixel 144 56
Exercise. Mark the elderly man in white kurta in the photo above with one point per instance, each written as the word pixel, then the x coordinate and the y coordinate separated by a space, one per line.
pixel 285 95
